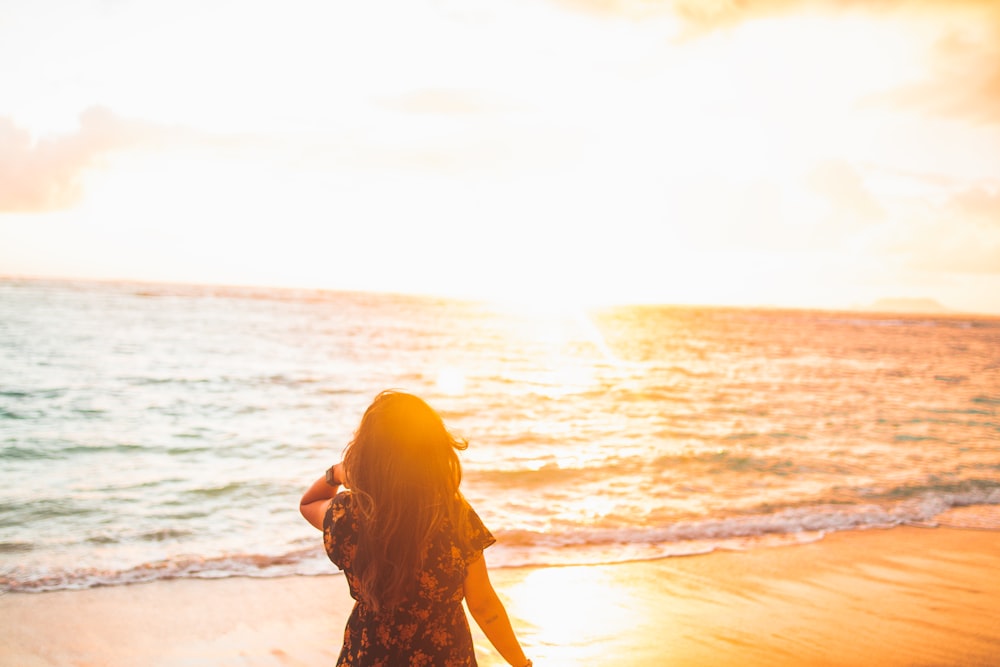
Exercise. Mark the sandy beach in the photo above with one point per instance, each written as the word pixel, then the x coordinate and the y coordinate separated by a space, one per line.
pixel 906 596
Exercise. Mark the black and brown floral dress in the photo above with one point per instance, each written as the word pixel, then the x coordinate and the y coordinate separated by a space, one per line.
pixel 428 630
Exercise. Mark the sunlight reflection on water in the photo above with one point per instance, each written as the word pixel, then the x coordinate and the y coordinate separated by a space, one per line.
pixel 614 433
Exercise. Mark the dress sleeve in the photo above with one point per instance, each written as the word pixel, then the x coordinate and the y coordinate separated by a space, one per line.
pixel 479 537
pixel 336 527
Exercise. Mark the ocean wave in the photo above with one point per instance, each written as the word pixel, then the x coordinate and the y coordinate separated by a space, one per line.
pixel 14 514
pixel 15 393
pixel 986 400
pixel 14 453
pixel 776 425
pixel 182 567
pixel 823 518
pixel 712 462
pixel 117 448
pixel 572 546
pixel 214 491
pixel 55 450
pixel 15 546
pixel 950 493
pixel 787 526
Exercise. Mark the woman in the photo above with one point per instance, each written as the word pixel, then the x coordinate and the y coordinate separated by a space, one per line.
pixel 408 542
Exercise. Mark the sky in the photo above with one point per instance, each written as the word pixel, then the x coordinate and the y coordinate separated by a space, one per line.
pixel 808 154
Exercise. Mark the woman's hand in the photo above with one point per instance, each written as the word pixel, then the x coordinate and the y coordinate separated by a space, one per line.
pixel 316 500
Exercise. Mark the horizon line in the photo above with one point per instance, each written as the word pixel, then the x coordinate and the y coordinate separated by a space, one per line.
pixel 937 309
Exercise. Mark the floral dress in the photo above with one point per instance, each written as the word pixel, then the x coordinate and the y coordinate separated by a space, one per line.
pixel 429 629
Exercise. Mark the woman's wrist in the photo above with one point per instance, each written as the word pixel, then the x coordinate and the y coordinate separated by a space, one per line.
pixel 335 475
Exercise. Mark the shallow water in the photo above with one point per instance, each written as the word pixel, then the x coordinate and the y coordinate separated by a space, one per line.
pixel 155 431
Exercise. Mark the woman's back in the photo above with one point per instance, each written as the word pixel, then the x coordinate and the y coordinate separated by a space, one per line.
pixel 428 626
pixel 408 542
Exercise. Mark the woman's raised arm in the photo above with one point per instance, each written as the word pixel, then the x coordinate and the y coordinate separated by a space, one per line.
pixel 316 500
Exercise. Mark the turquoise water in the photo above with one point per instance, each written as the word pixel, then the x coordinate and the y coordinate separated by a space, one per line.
pixel 156 431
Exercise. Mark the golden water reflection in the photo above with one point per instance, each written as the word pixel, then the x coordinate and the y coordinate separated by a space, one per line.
pixel 570 615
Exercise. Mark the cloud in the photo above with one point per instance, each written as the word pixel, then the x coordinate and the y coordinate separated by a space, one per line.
pixel 438 101
pixel 705 15
pixel 721 13
pixel 960 236
pixel 961 78
pixel 979 206
pixel 841 185
pixel 963 65
pixel 45 175
pixel 963 82
pixel 711 14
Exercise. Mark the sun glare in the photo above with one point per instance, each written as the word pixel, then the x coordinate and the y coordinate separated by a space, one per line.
pixel 576 607
pixel 660 170
pixel 451 381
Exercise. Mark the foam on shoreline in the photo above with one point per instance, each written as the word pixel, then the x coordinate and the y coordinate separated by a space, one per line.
pixel 891 597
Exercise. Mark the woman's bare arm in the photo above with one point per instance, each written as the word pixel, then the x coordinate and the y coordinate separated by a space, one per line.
pixel 490 614
pixel 316 500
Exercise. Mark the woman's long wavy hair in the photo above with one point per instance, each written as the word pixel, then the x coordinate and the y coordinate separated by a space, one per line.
pixel 403 470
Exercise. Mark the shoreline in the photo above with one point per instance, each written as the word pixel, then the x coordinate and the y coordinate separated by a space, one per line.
pixel 899 596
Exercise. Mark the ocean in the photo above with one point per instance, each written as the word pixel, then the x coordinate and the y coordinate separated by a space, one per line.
pixel 163 431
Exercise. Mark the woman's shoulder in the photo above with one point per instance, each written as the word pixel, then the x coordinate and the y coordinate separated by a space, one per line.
pixel 344 499
pixel 341 505
pixel 474 536
pixel 469 512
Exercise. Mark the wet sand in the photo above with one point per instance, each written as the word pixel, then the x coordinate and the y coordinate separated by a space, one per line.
pixel 906 596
